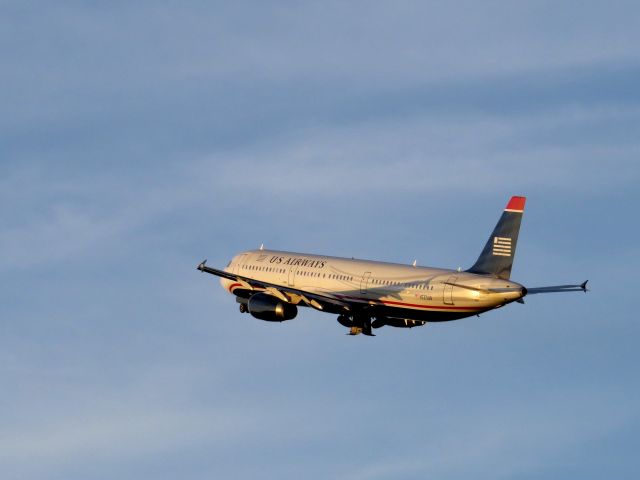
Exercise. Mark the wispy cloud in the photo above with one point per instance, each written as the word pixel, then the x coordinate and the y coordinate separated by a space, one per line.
pixel 509 440
pixel 432 155
pixel 138 136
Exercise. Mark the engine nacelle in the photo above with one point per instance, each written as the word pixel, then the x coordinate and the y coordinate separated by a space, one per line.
pixel 397 322
pixel 269 308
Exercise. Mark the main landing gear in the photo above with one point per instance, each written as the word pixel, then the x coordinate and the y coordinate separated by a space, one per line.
pixel 357 324
pixel 243 308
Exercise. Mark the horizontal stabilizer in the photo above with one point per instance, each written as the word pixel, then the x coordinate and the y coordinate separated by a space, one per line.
pixel 559 288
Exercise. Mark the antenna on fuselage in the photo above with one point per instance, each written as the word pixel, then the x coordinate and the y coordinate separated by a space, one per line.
pixel 262 246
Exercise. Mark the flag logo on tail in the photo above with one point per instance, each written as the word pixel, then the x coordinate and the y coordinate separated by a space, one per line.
pixel 502 246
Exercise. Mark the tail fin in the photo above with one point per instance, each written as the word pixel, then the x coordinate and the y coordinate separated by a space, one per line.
pixel 497 257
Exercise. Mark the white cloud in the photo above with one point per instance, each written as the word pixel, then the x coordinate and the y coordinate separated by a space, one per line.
pixel 508 439
pixel 428 154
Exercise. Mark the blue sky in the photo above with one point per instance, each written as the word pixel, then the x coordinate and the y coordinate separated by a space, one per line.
pixel 138 138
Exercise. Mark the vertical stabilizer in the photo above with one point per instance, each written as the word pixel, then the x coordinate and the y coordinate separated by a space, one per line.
pixel 497 257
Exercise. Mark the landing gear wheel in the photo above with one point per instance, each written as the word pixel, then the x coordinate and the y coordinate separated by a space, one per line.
pixel 243 308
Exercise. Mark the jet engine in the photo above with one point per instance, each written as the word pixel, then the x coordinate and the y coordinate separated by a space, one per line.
pixel 269 308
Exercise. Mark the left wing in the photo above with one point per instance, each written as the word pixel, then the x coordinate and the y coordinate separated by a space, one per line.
pixel 314 300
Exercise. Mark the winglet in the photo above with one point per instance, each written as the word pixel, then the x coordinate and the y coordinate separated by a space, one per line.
pixel 202 264
pixel 516 204
pixel 583 286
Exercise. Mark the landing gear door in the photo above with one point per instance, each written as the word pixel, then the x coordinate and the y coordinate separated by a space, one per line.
pixel 448 291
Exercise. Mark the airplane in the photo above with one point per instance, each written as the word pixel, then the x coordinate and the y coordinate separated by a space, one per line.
pixel 270 285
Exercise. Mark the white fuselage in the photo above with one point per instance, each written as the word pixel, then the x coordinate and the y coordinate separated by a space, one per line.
pixel 393 290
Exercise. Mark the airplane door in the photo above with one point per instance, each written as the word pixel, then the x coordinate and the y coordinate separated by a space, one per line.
pixel 448 291
pixel 292 275
pixel 364 283
pixel 241 260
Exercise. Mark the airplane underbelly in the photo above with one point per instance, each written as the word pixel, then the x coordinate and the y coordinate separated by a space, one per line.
pixel 433 313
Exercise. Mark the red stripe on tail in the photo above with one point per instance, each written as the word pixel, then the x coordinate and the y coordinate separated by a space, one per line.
pixel 516 204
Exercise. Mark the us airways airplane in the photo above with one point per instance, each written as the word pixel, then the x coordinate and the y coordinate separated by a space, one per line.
pixel 271 285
